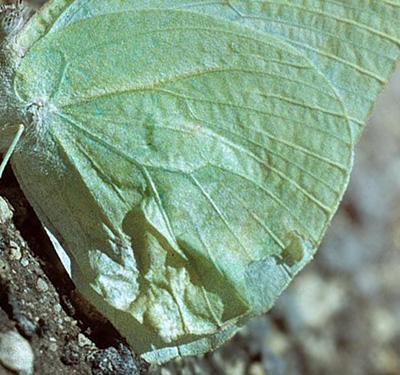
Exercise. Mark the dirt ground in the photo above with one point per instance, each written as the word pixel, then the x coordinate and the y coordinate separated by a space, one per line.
pixel 339 316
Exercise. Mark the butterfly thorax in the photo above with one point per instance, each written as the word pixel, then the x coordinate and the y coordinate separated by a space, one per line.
pixel 12 18
pixel 11 112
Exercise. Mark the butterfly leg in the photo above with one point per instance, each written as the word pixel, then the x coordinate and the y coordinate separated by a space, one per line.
pixel 19 130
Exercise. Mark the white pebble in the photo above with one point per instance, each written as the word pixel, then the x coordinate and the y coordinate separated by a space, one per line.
pixel 257 369
pixel 15 251
pixel 5 211
pixel 24 262
pixel 16 353
pixel 83 341
pixel 41 285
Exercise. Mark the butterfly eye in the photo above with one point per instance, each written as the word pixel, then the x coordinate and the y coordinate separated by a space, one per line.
pixel 10 20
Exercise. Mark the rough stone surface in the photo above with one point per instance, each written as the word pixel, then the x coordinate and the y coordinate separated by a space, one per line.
pixel 114 361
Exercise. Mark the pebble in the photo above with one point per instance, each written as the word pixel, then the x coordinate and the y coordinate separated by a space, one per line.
pixel 257 369
pixel 233 362
pixel 384 325
pixel 200 368
pixel 15 251
pixel 115 362
pixel 318 300
pixel 53 347
pixel 5 211
pixel 41 285
pixel 237 367
pixel 273 363
pixel 26 327
pixel 70 353
pixel 83 341
pixel 16 353
pixel 24 262
pixel 4 268
pixel 57 308
pixel 278 342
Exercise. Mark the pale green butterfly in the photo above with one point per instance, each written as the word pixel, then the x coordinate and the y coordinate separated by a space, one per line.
pixel 190 156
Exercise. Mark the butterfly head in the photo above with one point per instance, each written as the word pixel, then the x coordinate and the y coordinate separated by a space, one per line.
pixel 12 17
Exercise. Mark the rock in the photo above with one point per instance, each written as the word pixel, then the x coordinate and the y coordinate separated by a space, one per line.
pixel 256 369
pixel 5 211
pixel 15 251
pixel 26 327
pixel 115 362
pixel 273 363
pixel 71 353
pixel 317 300
pixel 84 341
pixel 41 285
pixel 24 262
pixel 16 353
pixel 4 268
pixel 384 325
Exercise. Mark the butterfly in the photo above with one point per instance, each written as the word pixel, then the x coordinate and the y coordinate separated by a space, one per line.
pixel 189 156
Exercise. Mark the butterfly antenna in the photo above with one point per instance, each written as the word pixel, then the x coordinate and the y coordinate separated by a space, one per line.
pixel 11 149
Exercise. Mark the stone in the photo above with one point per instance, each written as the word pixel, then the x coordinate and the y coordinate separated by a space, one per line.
pixel 25 325
pixel 24 262
pixel 112 361
pixel 256 368
pixel 41 285
pixel 16 353
pixel 5 211
pixel 15 251
pixel 84 341
pixel 4 269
